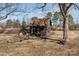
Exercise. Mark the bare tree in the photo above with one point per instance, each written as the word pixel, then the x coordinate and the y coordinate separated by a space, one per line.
pixel 64 9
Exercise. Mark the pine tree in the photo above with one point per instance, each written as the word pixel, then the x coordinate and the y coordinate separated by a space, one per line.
pixel 9 23
pixel 17 23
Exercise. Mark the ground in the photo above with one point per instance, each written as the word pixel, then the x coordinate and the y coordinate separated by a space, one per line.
pixel 10 45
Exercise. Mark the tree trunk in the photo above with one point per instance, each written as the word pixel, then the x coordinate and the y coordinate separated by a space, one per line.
pixel 65 29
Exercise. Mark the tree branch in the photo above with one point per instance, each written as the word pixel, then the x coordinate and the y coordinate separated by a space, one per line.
pixel 4 17
pixel 42 6
pixel 76 6
pixel 61 9
pixel 6 6
pixel 67 8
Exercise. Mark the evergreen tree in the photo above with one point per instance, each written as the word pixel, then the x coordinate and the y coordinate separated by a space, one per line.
pixel 24 23
pixel 9 23
pixel 17 23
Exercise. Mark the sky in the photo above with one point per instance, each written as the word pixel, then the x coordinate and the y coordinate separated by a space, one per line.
pixel 31 10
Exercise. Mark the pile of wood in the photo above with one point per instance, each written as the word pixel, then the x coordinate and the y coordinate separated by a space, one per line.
pixel 40 21
pixel 39 26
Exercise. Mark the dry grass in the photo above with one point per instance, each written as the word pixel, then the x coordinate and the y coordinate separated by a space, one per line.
pixel 36 47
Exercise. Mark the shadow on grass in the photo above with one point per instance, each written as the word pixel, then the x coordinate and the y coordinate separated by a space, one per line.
pixel 58 41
